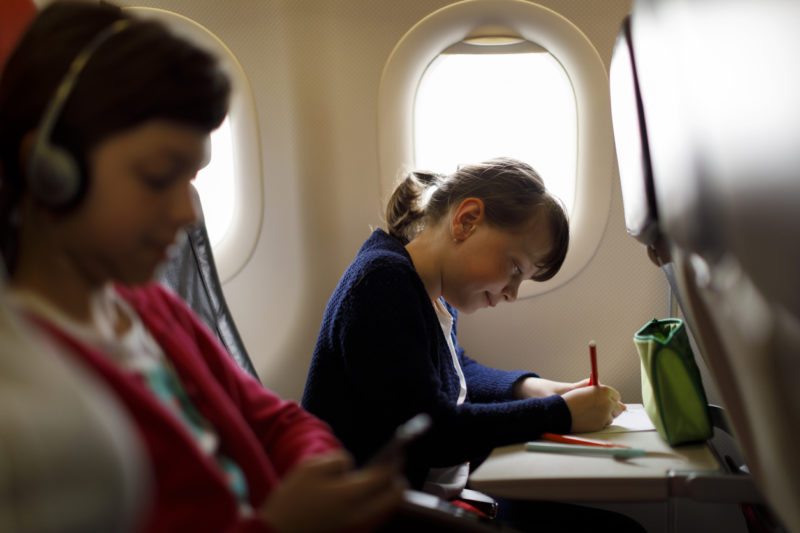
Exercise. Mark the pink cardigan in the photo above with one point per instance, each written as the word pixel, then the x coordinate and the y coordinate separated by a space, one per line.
pixel 265 435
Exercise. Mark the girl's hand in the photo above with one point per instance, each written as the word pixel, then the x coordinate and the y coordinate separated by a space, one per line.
pixel 325 494
pixel 593 408
pixel 531 387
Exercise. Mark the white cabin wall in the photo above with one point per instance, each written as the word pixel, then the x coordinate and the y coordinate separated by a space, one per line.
pixel 314 67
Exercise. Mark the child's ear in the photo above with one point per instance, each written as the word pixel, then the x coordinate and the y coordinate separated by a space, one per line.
pixel 466 218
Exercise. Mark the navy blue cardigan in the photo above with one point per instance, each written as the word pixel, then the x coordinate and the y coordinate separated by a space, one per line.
pixel 381 358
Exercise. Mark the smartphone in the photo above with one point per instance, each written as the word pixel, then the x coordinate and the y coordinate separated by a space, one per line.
pixel 407 432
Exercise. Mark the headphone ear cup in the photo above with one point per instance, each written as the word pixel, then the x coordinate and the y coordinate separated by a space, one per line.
pixel 55 179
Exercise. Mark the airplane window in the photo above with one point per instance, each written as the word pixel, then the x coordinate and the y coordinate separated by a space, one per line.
pixel 230 186
pixel 489 78
pixel 474 106
pixel 215 186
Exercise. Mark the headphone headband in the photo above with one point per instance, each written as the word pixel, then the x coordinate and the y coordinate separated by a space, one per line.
pixel 54 177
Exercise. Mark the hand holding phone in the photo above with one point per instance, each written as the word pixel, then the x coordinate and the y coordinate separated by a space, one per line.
pixel 394 450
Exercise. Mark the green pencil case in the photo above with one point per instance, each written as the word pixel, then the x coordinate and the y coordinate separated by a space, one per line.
pixel 672 389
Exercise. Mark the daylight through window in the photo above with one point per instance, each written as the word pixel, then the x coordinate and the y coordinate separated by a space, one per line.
pixel 472 107
pixel 216 185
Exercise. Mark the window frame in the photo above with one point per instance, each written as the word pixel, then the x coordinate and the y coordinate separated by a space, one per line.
pixel 239 242
pixel 595 165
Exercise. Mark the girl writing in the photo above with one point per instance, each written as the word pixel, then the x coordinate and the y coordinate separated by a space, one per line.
pixel 387 347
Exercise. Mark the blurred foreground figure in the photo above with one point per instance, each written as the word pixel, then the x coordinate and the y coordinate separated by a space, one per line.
pixel 68 459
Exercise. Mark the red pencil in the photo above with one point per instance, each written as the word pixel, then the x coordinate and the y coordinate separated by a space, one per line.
pixel 566 439
pixel 593 379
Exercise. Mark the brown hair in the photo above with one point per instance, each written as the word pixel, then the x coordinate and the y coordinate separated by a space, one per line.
pixel 512 193
pixel 144 72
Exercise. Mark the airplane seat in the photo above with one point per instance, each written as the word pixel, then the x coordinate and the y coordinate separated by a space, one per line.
pixel 707 125
pixel 192 273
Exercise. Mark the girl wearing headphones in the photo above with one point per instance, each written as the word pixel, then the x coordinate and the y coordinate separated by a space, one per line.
pixel 103 121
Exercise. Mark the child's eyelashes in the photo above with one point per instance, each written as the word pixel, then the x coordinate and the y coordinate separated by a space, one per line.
pixel 157 182
pixel 159 176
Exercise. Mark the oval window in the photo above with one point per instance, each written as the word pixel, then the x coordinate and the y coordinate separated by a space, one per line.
pixel 411 131
pixel 230 186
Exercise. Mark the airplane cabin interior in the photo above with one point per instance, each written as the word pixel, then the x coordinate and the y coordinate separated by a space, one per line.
pixel 671 132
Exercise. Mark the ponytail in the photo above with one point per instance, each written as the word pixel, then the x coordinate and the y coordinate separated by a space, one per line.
pixel 405 212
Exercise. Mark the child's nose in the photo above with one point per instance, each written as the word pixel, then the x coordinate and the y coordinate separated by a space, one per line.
pixel 510 291
pixel 183 210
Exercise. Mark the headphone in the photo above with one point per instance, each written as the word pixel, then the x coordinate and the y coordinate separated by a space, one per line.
pixel 54 176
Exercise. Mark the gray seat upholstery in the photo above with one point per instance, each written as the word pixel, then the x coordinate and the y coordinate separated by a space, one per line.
pixel 192 274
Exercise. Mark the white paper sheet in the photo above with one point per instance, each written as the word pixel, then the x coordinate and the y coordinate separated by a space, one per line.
pixel 633 419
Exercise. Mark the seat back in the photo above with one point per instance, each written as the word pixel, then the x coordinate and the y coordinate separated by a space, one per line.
pixel 718 83
pixel 630 131
pixel 192 273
